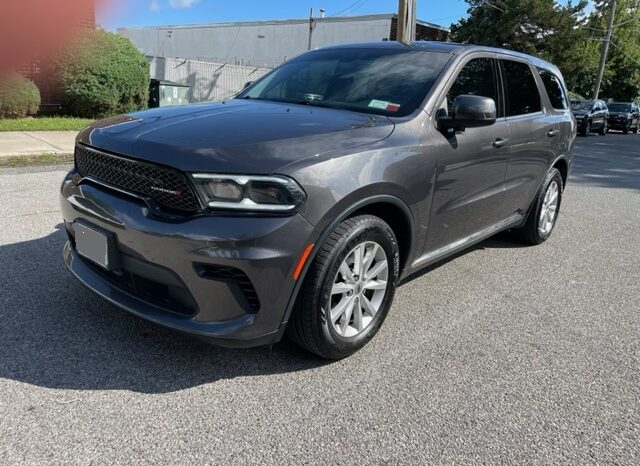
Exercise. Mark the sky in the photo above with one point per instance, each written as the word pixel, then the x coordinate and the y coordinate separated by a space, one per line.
pixel 127 13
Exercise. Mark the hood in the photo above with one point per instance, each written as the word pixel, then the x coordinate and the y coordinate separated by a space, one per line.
pixel 581 112
pixel 238 136
pixel 626 113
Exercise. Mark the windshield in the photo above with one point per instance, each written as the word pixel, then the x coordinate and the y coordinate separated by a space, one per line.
pixel 620 107
pixel 586 105
pixel 381 81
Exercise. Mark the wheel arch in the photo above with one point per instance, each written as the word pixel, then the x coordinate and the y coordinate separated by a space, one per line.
pixel 563 167
pixel 389 208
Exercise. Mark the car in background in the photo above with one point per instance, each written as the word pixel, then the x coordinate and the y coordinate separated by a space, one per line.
pixel 624 116
pixel 592 116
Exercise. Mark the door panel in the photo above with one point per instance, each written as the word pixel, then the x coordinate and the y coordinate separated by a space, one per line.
pixel 471 166
pixel 532 150
pixel 469 190
pixel 535 135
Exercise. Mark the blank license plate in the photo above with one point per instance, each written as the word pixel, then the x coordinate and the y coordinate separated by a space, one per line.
pixel 92 244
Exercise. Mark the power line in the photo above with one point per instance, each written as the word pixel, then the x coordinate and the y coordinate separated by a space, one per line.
pixel 353 6
pixel 625 53
pixel 488 3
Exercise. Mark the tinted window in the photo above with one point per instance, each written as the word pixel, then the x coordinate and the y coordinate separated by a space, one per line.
pixel 383 81
pixel 476 78
pixel 520 89
pixel 554 89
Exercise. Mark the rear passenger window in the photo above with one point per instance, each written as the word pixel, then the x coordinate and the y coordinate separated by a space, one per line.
pixel 520 89
pixel 476 78
pixel 554 89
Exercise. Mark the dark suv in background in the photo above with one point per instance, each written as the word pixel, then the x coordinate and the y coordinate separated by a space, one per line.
pixel 299 205
pixel 591 115
pixel 624 116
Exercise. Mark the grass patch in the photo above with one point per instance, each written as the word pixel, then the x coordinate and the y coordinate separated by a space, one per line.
pixel 38 159
pixel 44 124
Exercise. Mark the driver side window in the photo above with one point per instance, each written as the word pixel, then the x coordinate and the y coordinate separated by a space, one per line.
pixel 476 78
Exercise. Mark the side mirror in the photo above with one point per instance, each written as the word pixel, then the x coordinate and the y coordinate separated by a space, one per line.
pixel 469 111
pixel 247 84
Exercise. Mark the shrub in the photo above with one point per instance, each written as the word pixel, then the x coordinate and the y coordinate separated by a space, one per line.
pixel 19 97
pixel 102 74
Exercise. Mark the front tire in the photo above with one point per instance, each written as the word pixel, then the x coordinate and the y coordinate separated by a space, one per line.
pixel 544 211
pixel 348 289
pixel 604 130
pixel 586 129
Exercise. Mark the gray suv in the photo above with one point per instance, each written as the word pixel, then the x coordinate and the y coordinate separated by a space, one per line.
pixel 297 206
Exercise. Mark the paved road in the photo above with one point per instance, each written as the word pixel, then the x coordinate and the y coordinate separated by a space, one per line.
pixel 506 354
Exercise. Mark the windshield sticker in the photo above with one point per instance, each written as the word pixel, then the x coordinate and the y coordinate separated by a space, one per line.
pixel 313 97
pixel 381 104
pixel 384 105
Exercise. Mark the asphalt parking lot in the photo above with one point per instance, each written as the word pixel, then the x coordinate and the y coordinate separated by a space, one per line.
pixel 505 354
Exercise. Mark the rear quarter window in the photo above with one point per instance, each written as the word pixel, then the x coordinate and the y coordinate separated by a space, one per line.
pixel 555 90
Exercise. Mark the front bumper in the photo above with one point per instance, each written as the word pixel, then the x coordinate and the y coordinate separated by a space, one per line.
pixel 226 278
pixel 581 122
pixel 618 124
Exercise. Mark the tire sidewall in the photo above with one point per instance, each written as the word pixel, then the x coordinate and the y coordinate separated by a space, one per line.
pixel 554 175
pixel 371 230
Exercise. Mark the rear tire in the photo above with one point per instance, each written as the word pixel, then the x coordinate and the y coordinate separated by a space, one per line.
pixel 348 289
pixel 544 211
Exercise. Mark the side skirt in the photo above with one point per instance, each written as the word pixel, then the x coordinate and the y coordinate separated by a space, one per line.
pixel 457 246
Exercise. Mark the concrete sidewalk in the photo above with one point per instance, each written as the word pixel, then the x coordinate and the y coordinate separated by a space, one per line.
pixel 36 142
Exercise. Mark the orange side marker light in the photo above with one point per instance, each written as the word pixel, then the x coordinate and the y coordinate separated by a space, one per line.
pixel 303 260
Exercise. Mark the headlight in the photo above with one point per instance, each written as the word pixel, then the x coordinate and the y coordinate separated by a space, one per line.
pixel 249 192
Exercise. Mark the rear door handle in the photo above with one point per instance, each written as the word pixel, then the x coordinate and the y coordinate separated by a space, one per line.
pixel 552 133
pixel 500 142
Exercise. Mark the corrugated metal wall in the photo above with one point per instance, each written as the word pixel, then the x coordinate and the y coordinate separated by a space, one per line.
pixel 208 81
pixel 261 43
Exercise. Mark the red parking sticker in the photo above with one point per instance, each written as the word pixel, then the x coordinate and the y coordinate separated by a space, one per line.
pixel 393 107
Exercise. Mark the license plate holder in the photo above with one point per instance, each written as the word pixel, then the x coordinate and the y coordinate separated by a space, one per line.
pixel 94 245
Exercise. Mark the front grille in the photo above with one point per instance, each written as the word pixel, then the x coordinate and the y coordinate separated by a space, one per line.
pixel 169 188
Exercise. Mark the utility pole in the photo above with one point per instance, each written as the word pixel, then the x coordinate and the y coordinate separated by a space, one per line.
pixel 605 50
pixel 406 21
pixel 310 27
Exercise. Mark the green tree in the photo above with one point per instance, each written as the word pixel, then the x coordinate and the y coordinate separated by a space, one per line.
pixel 103 74
pixel 622 73
pixel 543 28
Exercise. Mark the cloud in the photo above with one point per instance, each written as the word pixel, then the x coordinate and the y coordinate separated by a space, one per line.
pixel 182 3
pixel 154 5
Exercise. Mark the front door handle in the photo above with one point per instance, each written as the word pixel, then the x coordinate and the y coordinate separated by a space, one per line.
pixel 553 133
pixel 500 142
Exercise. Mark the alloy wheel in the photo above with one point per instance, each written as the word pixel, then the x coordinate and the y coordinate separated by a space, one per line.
pixel 358 289
pixel 549 209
